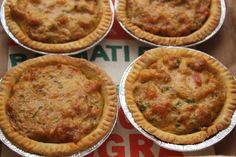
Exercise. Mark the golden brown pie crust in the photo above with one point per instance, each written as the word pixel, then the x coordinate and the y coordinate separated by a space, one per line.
pixel 91 38
pixel 106 122
pixel 221 121
pixel 207 28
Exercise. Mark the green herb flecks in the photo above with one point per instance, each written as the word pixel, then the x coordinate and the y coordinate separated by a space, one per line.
pixel 55 120
pixel 198 23
pixel 214 95
pixel 60 85
pixel 177 125
pixel 177 63
pixel 153 121
pixel 164 89
pixel 190 101
pixel 52 26
pixel 143 107
pixel 193 120
pixel 178 104
pixel 83 8
pixel 40 107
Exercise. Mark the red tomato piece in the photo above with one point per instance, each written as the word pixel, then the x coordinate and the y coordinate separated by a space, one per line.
pixel 197 79
pixel 150 94
pixel 159 109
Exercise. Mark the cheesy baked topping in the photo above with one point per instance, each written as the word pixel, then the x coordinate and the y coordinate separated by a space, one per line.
pixel 180 94
pixel 168 18
pixel 55 103
pixel 56 21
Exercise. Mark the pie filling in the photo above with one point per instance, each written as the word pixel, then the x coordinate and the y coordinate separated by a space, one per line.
pixel 55 103
pixel 56 21
pixel 169 18
pixel 180 94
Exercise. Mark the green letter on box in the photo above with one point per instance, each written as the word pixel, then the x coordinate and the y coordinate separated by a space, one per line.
pixel 126 50
pixel 17 58
pixel 114 51
pixel 99 52
pixel 82 55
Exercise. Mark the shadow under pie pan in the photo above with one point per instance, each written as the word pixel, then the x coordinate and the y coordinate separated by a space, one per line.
pixel 82 36
pixel 157 109
pixel 155 35
pixel 56 106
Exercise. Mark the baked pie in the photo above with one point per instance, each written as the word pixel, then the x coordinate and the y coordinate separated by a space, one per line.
pixel 56 105
pixel 58 25
pixel 179 95
pixel 170 22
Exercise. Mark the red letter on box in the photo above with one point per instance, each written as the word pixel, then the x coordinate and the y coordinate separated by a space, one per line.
pixel 136 147
pixel 123 120
pixel 118 150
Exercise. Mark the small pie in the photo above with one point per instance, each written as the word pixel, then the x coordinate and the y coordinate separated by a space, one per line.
pixel 56 105
pixel 58 26
pixel 179 95
pixel 170 22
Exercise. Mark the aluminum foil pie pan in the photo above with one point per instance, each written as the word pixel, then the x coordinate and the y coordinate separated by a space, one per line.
pixel 220 24
pixel 21 152
pixel 176 147
pixel 6 29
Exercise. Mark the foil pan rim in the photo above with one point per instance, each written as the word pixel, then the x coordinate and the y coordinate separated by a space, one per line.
pixel 220 24
pixel 176 147
pixel 8 32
